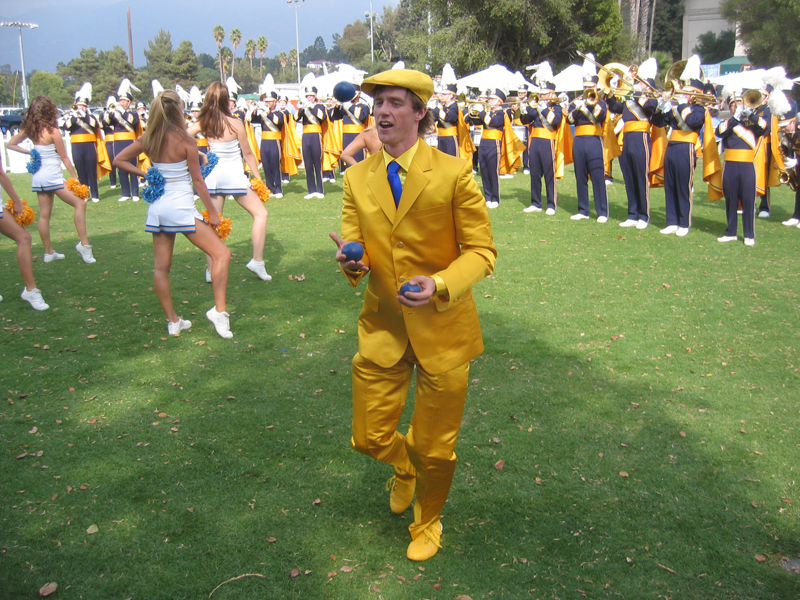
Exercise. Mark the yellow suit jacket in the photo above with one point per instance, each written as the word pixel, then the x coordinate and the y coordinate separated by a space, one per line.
pixel 441 228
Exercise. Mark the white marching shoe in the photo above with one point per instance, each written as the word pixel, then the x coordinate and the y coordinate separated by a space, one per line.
pixel 258 269
pixel 669 229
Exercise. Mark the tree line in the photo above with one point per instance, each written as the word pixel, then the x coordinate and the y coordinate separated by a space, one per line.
pixel 426 34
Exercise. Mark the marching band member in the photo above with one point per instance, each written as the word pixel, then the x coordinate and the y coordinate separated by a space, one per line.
pixel 83 128
pixel 686 118
pixel 773 80
pixel 141 111
pixel 790 147
pixel 331 141
pixel 588 114
pixel 272 123
pixel 741 135
pixel 636 112
pixel 549 141
pixel 493 121
pixel 108 138
pixel 234 105
pixel 446 115
pixel 312 115
pixel 355 117
pixel 523 99
pixel 289 163
pixel 126 129
pixel 195 104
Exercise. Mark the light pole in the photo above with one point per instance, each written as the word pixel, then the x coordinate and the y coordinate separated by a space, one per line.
pixel 19 26
pixel 371 35
pixel 296 3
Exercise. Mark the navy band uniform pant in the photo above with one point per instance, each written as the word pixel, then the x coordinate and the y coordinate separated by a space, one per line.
pixel 635 165
pixel 541 162
pixel 587 156
pixel 84 157
pixel 679 162
pixel 489 161
pixel 312 159
pixel 271 161
pixel 128 181
pixel 739 184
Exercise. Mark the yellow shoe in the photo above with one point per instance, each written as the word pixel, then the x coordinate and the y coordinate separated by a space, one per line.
pixel 402 487
pixel 427 543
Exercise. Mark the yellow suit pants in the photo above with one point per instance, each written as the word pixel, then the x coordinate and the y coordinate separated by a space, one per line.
pixel 379 396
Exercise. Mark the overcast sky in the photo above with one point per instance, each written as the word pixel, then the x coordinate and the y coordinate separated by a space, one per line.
pixel 67 26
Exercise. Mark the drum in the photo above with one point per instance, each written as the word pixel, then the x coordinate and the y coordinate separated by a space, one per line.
pixel 432 140
pixel 521 132
pixel 476 137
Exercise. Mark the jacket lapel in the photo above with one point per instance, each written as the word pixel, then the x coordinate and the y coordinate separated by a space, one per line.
pixel 379 187
pixel 416 181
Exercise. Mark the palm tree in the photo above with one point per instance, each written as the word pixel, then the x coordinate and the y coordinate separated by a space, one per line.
pixel 219 37
pixel 262 44
pixel 283 60
pixel 236 39
pixel 293 58
pixel 224 62
pixel 250 51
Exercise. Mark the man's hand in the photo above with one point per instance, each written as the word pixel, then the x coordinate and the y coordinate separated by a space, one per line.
pixel 349 265
pixel 423 296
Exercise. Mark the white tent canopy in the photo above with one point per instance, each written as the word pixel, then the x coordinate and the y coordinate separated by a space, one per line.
pixel 496 76
pixel 745 80
pixel 570 79
pixel 344 72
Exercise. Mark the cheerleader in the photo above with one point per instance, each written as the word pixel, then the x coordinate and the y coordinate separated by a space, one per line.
pixel 174 153
pixel 13 230
pixel 227 139
pixel 40 126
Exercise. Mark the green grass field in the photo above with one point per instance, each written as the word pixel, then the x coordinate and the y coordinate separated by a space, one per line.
pixel 641 390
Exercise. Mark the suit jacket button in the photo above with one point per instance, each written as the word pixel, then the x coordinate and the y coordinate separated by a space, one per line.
pixel 401 279
pixel 400 244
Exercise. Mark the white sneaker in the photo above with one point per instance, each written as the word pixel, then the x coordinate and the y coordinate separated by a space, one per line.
pixel 221 321
pixel 208 276
pixel 526 171
pixel 34 296
pixel 178 326
pixel 318 195
pixel 749 242
pixel 669 229
pixel 135 198
pixel 792 222
pixel 629 223
pixel 764 214
pixel 124 198
pixel 642 224
pixel 277 196
pixel 602 219
pixel 740 211
pixel 86 253
pixel 54 256
pixel 112 187
pixel 550 211
pixel 258 269
pixel 609 182
pixel 309 196
pixel 492 204
pixel 506 176
pixel 532 208
pixel 727 238
pixel 578 217
pixel 682 231
pixel 95 199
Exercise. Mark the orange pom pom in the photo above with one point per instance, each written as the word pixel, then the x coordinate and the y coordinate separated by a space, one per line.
pixel 77 188
pixel 28 215
pixel 260 189
pixel 225 225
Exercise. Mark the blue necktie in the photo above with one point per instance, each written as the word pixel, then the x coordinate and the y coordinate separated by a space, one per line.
pixel 394 181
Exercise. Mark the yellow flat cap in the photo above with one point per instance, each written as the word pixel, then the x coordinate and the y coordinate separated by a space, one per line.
pixel 419 83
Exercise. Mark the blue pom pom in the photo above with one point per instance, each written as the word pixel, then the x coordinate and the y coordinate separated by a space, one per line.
pixel 35 163
pixel 205 170
pixel 155 185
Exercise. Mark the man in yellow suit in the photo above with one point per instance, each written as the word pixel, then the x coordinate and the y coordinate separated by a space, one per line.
pixel 421 219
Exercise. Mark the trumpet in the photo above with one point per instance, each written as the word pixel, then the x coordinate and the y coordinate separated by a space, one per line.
pixel 590 96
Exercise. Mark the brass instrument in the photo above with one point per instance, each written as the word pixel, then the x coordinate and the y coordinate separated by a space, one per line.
pixel 673 88
pixel 590 96
pixel 752 99
pixel 623 86
pixel 476 107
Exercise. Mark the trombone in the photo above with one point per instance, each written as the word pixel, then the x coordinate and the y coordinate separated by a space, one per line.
pixel 674 87
pixel 475 108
